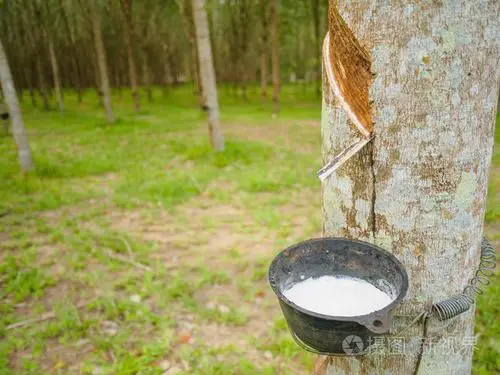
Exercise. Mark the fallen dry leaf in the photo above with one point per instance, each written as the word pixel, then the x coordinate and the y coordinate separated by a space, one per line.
pixel 185 338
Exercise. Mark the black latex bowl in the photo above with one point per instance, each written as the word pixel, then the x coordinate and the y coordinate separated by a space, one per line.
pixel 337 257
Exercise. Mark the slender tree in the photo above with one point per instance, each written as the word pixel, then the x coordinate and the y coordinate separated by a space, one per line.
pixel 56 76
pixel 101 59
pixel 186 11
pixel 42 85
pixel 207 73
pixel 49 22
pixel 245 12
pixel 418 189
pixel 275 54
pixel 9 91
pixel 315 8
pixel 148 29
pixel 70 28
pixel 130 39
pixel 31 11
pixel 264 47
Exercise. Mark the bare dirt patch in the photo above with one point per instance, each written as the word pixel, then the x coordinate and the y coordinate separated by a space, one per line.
pixel 202 225
pixel 280 133
pixel 56 357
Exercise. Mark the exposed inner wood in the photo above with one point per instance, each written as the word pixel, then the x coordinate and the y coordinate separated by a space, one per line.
pixel 342 157
pixel 348 67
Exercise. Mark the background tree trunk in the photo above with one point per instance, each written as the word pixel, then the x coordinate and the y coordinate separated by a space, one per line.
pixel 207 74
pixel 31 86
pixel 101 61
pixel 129 37
pixel 275 55
pixel 418 189
pixel 186 10
pixel 55 73
pixel 146 76
pixel 317 42
pixel 42 87
pixel 9 91
pixel 75 58
pixel 195 67
pixel 166 70
pixel 264 48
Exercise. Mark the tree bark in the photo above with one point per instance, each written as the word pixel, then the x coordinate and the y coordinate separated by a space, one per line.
pixel 76 76
pixel 317 47
pixel 101 61
pixel 119 78
pixel 55 73
pixel 418 189
pixel 242 20
pixel 34 37
pixel 42 87
pixel 166 69
pixel 129 37
pixel 172 67
pixel 264 47
pixel 31 89
pixel 275 55
pixel 207 74
pixel 189 30
pixel 20 137
pixel 146 76
pixel 195 67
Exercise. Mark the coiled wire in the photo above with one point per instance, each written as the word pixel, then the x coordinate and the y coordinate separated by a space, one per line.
pixel 460 303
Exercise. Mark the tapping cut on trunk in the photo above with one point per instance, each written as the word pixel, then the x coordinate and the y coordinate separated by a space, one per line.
pixel 348 68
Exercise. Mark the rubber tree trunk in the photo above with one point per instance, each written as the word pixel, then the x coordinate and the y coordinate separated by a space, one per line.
pixel 146 76
pixel 129 37
pixel 207 73
pixel 264 48
pixel 315 7
pixel 55 73
pixel 75 66
pixel 275 55
pixel 29 79
pixel 20 137
pixel 101 61
pixel 189 31
pixel 41 84
pixel 166 70
pixel 418 189
pixel 195 67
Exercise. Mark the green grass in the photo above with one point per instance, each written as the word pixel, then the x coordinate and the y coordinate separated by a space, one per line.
pixel 150 250
pixel 20 280
pixel 493 207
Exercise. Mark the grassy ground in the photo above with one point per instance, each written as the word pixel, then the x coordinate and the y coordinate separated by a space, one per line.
pixel 136 249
